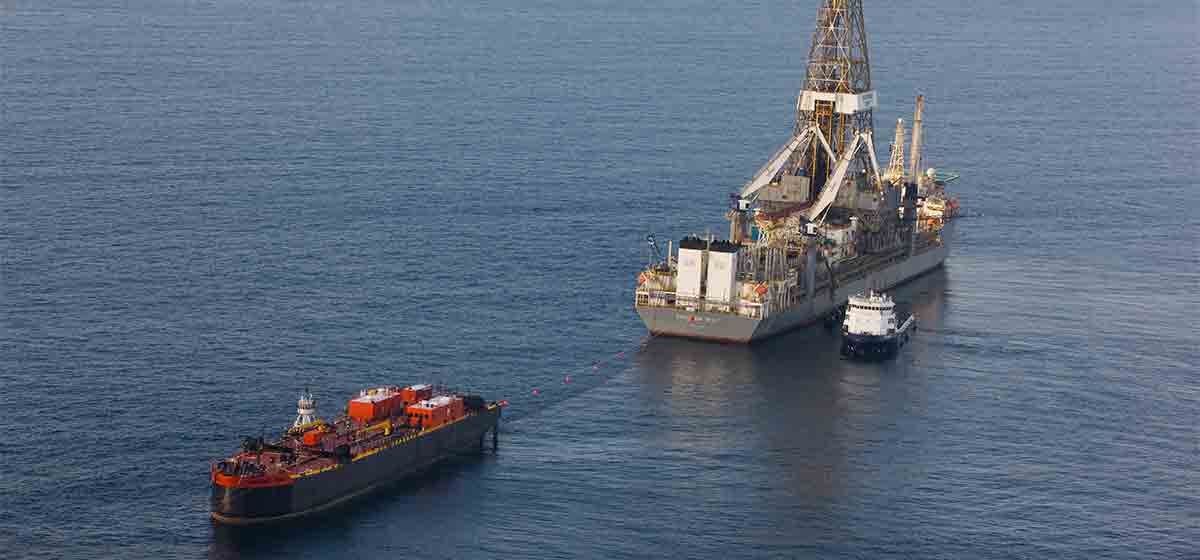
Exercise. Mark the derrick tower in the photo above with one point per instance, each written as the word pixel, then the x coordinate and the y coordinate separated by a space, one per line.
pixel 831 145
pixel 895 171
pixel 837 98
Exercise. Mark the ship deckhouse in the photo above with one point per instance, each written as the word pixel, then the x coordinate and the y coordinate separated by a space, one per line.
pixel 872 314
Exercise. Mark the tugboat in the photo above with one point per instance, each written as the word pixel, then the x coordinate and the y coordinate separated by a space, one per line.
pixel 388 433
pixel 870 330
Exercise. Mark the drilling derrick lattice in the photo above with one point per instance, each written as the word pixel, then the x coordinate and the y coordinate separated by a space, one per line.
pixel 895 170
pixel 837 98
pixel 832 143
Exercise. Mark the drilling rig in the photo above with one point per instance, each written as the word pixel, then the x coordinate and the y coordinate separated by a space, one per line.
pixel 814 225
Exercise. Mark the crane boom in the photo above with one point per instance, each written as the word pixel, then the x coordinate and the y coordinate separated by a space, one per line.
pixel 914 160
pixel 829 193
pixel 776 163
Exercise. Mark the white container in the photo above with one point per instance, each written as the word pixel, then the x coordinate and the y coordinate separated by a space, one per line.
pixel 689 273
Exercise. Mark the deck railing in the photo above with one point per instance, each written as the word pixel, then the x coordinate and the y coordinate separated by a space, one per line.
pixel 665 299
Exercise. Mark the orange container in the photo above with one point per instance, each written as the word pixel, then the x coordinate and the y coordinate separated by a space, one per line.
pixel 416 393
pixel 375 406
pixel 362 410
pixel 435 412
pixel 313 437
pixel 419 416
pixel 395 405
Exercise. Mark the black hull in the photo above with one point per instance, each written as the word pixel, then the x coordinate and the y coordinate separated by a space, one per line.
pixel 314 493
pixel 867 347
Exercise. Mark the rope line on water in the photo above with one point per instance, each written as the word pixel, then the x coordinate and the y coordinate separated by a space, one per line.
pixel 548 395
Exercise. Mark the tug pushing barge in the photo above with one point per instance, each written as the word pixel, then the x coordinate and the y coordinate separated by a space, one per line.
pixel 819 222
pixel 388 433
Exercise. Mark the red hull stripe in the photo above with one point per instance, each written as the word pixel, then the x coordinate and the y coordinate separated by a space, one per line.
pixel 250 482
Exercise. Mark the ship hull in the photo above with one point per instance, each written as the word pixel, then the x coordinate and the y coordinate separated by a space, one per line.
pixel 868 347
pixel 731 328
pixel 314 493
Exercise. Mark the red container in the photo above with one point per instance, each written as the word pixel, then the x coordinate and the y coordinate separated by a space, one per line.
pixel 394 405
pixel 436 412
pixel 376 404
pixel 416 393
pixel 363 411
pixel 313 437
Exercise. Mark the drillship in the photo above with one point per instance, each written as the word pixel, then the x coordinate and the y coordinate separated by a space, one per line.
pixel 818 222
pixel 387 434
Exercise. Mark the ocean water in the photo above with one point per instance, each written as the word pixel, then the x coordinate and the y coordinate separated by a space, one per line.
pixel 206 206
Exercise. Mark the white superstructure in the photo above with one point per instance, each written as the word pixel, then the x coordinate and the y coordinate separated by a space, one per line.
pixel 872 314
pixel 722 276
pixel 690 271
pixel 306 409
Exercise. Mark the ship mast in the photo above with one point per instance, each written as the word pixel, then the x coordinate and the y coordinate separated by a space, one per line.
pixel 895 170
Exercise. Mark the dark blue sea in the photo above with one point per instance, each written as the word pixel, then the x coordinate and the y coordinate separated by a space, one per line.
pixel 206 206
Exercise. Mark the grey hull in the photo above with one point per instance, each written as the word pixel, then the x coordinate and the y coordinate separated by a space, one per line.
pixel 728 327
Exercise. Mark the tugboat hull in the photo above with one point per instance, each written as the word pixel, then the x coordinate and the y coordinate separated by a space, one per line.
pixel 869 347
